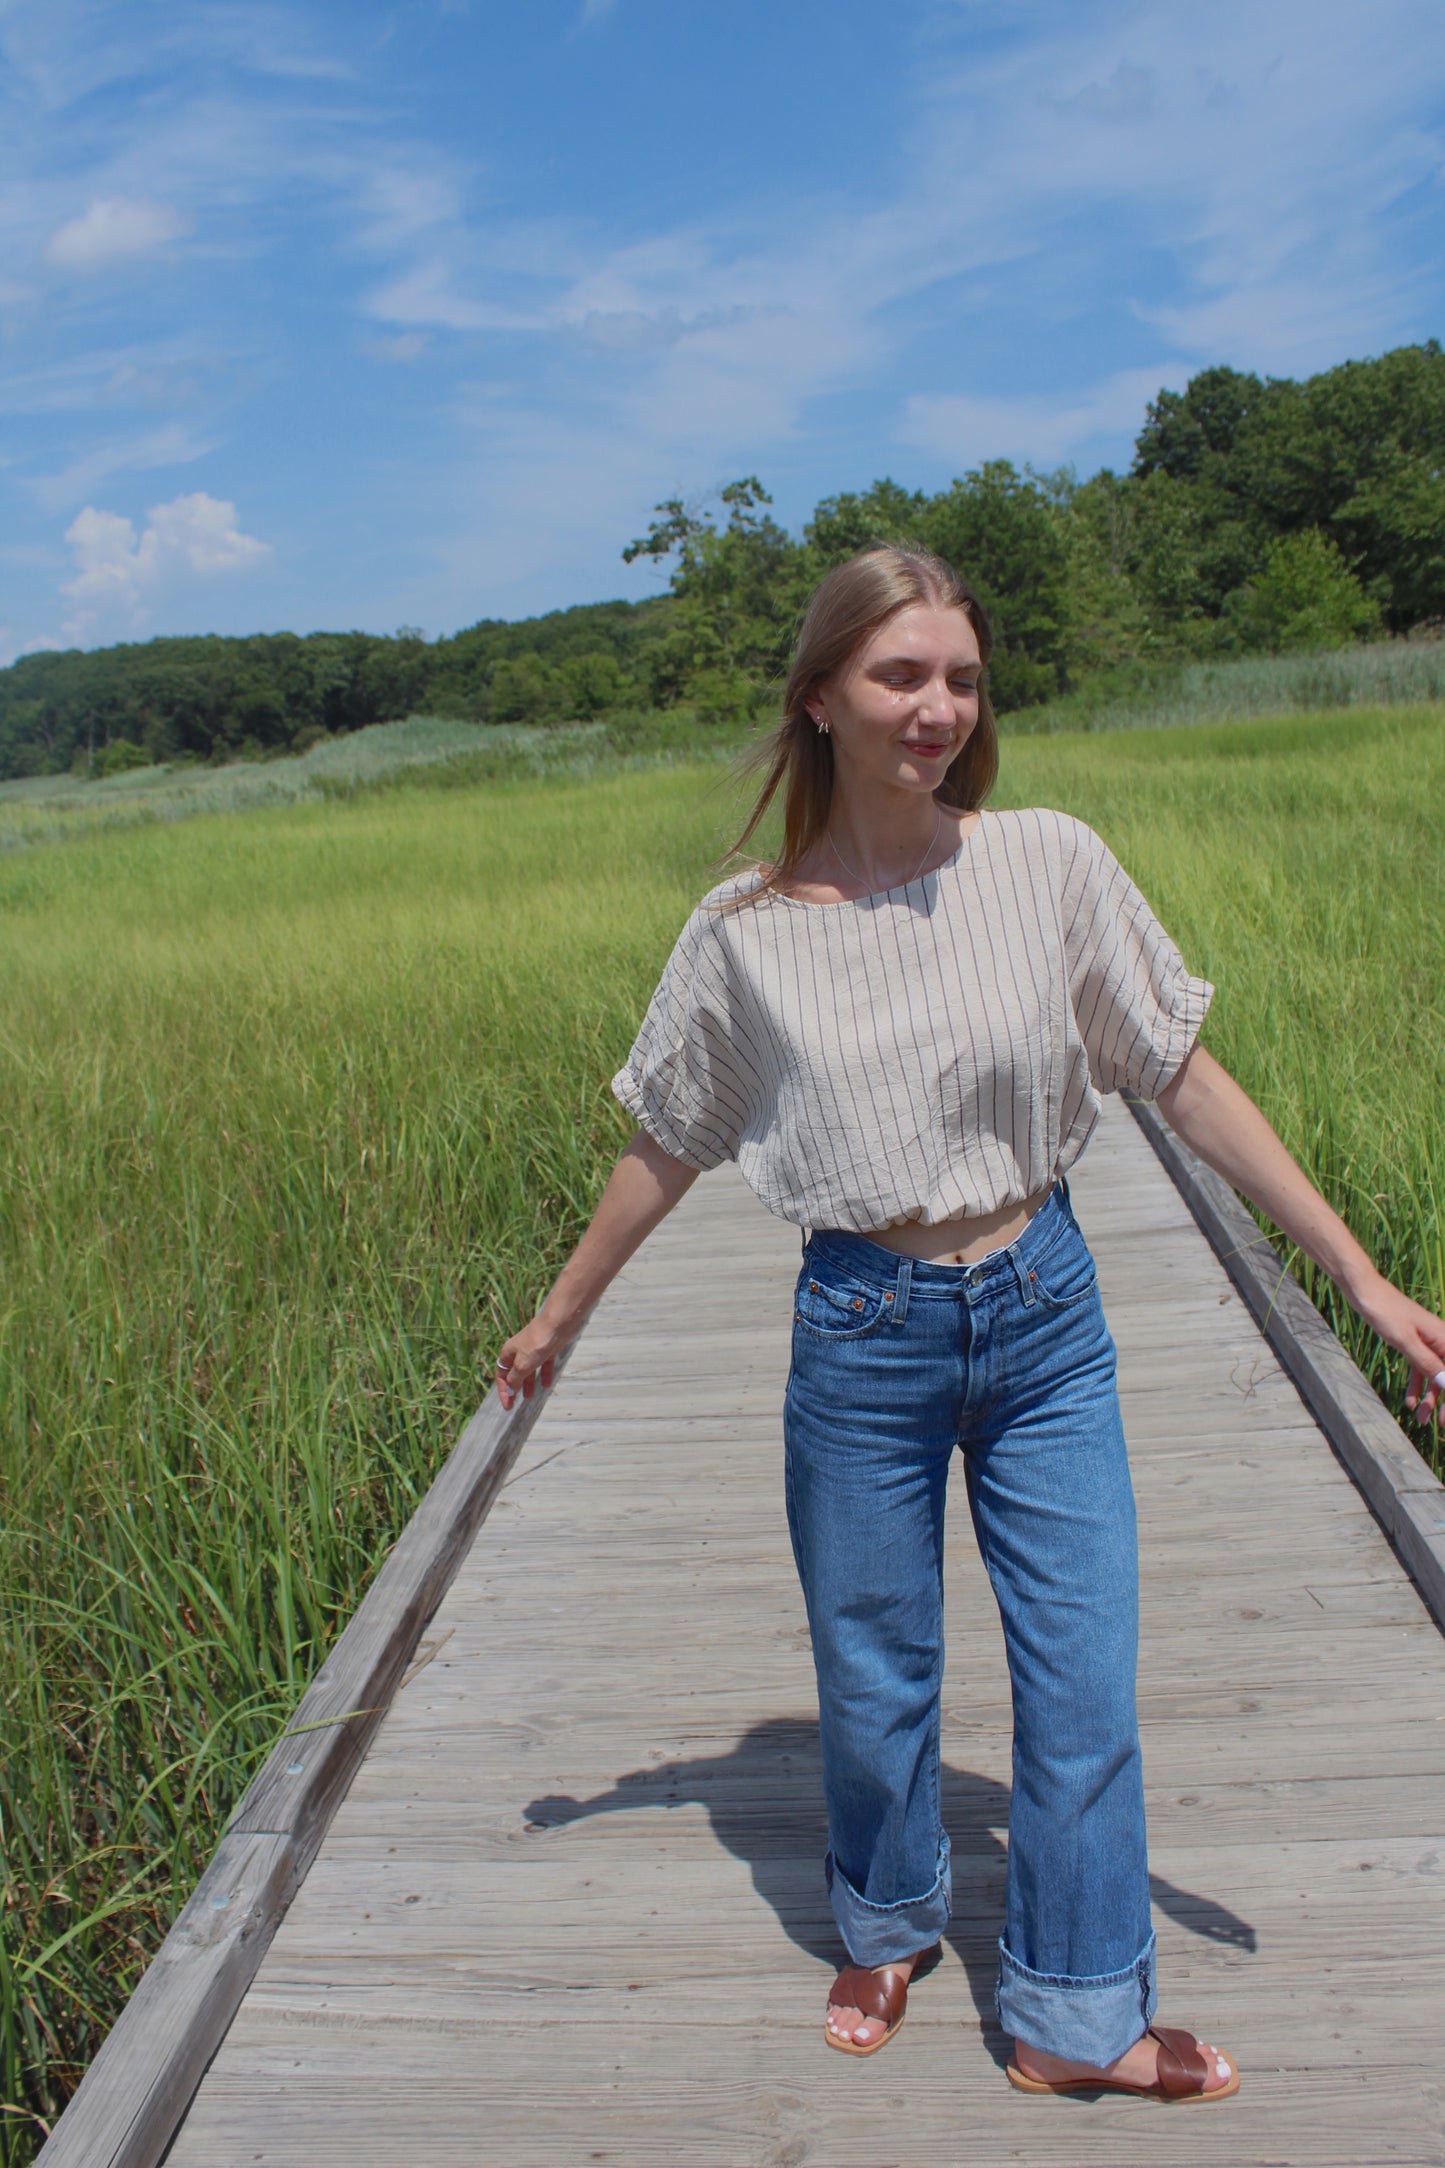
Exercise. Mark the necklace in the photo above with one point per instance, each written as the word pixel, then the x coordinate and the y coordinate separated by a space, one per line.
pixel 913 876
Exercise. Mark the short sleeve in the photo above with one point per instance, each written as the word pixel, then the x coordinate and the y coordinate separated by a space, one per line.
pixel 1137 1007
pixel 687 1081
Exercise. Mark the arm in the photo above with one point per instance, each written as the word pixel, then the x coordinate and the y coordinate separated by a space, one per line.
pixel 641 1190
pixel 1217 1118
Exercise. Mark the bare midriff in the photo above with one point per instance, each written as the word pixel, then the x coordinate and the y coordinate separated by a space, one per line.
pixel 960 1241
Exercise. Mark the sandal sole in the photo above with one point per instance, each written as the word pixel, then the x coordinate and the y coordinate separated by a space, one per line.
pixel 1062 2086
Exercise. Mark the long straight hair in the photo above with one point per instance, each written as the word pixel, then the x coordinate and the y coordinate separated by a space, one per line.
pixel 847 608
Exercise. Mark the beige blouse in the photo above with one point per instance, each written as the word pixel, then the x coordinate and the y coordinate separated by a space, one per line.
pixel 932 1051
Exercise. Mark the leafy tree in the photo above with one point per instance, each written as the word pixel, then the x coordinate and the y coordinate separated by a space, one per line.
pixel 1004 533
pixel 1305 596
pixel 593 683
pixel 842 526
pixel 738 589
pixel 1106 619
pixel 1192 434
pixel 1357 452
pixel 121 756
pixel 523 690
pixel 1379 433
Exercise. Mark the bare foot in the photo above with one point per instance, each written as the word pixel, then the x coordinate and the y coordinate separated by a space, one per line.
pixel 852 2024
pixel 1138 2065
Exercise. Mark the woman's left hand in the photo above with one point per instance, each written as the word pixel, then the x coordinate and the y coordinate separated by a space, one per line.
pixel 1419 1336
pixel 1217 1118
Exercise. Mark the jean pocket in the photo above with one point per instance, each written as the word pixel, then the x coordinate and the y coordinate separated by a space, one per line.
pixel 839 1308
pixel 1066 1273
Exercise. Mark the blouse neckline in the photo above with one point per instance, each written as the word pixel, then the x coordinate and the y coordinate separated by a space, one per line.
pixel 881 895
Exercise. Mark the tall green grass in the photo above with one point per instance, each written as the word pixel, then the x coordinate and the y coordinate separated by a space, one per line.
pixel 436 751
pixel 1242 687
pixel 300 1110
pixel 53 808
pixel 1300 865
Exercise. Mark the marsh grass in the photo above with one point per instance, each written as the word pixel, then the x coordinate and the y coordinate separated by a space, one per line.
pixel 1241 688
pixel 51 808
pixel 1292 861
pixel 435 752
pixel 301 1110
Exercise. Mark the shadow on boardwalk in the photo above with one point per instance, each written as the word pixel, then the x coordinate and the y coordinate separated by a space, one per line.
pixel 763 1798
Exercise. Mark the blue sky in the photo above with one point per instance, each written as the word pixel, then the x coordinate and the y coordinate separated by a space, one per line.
pixel 335 314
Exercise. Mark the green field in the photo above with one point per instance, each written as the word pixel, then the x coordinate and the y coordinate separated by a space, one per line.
pixel 301 1108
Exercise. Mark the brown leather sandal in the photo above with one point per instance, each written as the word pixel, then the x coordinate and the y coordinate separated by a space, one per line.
pixel 1182 2072
pixel 877 1994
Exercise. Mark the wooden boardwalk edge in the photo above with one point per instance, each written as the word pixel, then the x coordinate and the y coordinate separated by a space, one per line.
pixel 1397 1483
pixel 133 2097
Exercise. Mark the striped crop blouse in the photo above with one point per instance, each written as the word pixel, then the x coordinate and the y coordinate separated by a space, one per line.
pixel 932 1051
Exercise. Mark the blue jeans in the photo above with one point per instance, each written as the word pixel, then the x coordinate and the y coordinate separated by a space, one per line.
pixel 896 1362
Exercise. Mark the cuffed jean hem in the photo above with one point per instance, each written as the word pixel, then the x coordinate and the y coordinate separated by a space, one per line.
pixel 881 1934
pixel 1089 2020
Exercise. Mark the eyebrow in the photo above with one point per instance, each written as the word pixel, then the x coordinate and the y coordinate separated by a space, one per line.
pixel 913 662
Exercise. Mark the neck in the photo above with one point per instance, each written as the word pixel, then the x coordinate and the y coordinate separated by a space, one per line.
pixel 884 840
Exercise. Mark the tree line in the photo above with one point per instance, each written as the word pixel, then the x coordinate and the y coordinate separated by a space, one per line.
pixel 1258 514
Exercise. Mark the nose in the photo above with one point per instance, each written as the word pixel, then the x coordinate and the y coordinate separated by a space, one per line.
pixel 936 701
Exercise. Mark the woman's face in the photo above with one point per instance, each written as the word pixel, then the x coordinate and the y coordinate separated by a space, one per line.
pixel 902 709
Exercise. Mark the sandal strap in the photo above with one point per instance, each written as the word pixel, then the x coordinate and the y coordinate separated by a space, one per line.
pixel 877 1994
pixel 1182 2068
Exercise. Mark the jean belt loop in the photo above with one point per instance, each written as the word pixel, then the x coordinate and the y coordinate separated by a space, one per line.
pixel 900 1291
pixel 1023 1275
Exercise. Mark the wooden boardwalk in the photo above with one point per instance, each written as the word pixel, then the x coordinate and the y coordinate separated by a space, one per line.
pixel 572 1910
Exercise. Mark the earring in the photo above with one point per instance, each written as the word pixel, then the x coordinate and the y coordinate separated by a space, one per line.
pixel 823 725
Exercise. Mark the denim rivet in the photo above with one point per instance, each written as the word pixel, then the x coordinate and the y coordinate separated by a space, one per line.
pixel 857 1302
pixel 889 1296
pixel 813 1285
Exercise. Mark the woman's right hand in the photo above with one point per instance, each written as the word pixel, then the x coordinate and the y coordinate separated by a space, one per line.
pixel 529 1360
pixel 644 1185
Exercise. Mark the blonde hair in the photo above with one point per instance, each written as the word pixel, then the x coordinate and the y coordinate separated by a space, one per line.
pixel 847 608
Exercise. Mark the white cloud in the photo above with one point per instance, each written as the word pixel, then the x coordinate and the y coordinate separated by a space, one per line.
pixel 118 570
pixel 406 346
pixel 964 429
pixel 12 647
pixel 113 230
pixel 170 446
pixel 425 296
pixel 1238 174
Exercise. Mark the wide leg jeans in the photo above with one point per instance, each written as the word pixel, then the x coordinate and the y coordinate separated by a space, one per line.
pixel 896 1364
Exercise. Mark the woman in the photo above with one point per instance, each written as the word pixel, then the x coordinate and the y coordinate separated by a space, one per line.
pixel 900 1031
